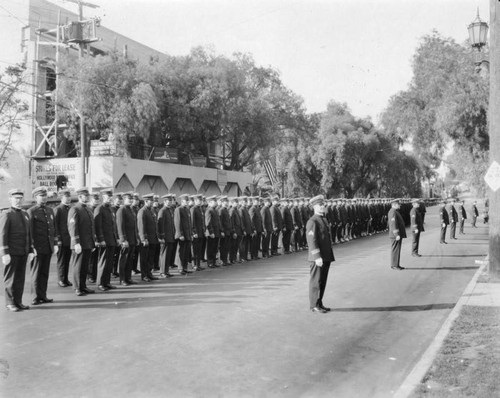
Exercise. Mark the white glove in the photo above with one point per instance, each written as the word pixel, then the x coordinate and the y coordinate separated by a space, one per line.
pixel 6 259
pixel 443 225
pixel 319 262
pixel 78 248
pixel 398 237
pixel 31 256
pixel 416 231
pixel 56 249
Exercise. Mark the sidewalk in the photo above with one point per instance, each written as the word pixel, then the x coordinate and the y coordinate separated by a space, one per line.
pixel 478 293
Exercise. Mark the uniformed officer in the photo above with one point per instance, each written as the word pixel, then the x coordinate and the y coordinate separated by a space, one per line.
pixel 462 215
pixel 183 232
pixel 43 235
pixel 198 221
pixel 16 248
pixel 320 254
pixel 475 214
pixel 62 237
pixel 246 240
pixel 445 221
pixel 95 200
pixel 82 233
pixel 117 202
pixel 236 234
pixel 277 221
pixel 147 224
pixel 166 236
pixel 213 231
pixel 297 225
pixel 453 215
pixel 225 233
pixel 128 238
pixel 256 219
pixel 107 240
pixel 267 226
pixel 417 226
pixel 397 233
pixel 287 219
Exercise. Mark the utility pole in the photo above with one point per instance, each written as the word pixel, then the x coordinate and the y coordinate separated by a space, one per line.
pixel 494 133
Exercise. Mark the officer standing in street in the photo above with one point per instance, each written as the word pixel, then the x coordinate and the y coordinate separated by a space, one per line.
pixel 417 226
pixel 198 221
pixel 43 235
pixel 453 219
pixel 267 226
pixel 462 215
pixel 107 240
pixel 128 238
pixel 277 221
pixel 166 236
pixel 397 233
pixel 62 237
pixel 257 229
pixel 444 219
pixel 147 224
pixel 320 254
pixel 16 249
pixel 183 232
pixel 475 214
pixel 213 231
pixel 82 233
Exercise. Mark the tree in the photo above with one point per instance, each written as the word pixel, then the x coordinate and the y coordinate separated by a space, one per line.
pixel 12 110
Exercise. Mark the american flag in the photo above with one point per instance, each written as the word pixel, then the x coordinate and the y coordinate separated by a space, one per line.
pixel 271 171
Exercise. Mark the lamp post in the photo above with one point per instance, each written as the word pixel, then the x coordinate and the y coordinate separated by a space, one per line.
pixel 478 34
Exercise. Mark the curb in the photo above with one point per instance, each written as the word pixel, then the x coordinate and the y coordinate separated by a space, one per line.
pixel 420 369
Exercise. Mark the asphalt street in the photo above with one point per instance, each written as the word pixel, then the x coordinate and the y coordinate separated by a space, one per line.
pixel 245 330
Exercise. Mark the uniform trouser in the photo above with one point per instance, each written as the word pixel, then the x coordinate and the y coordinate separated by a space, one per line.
pixel 415 242
pixel 63 257
pixel 156 256
pixel 245 244
pixel 304 238
pixel 94 259
pixel 266 238
pixel 296 239
pixel 462 222
pixel 255 245
pixel 125 263
pixel 144 257
pixel 212 246
pixel 166 250
pixel 453 228
pixel 40 267
pixel 234 246
pixel 340 232
pixel 396 252
pixel 443 234
pixel 184 253
pixel 116 258
pixel 174 251
pixel 105 265
pixel 14 275
pixel 275 236
pixel 317 283
pixel 197 251
pixel 474 218
pixel 80 264
pixel 135 259
pixel 287 234
pixel 224 243
pixel 203 248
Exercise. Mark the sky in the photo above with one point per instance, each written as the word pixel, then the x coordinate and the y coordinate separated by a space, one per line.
pixel 353 51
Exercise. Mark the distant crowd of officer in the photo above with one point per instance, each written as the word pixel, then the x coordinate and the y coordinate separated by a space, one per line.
pixel 117 235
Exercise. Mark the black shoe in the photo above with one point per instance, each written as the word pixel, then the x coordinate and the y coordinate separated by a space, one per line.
pixel 324 308
pixel 416 255
pixel 12 308
pixel 153 278
pixel 62 284
pixel 182 272
pixel 103 288
pixel 88 291
pixel 111 286
pixel 318 309
pixel 80 293
pixel 146 279
pixel 443 242
pixel 136 272
pixel 397 267
pixel 131 282
pixel 36 301
pixel 115 275
pixel 68 283
pixel 91 280
pixel 124 283
pixel 23 307
pixel 47 300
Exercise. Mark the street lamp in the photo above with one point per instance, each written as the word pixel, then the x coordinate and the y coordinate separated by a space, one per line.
pixel 478 34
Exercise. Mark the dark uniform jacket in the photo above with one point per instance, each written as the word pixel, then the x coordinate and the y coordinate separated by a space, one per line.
pixel 416 220
pixel 286 215
pixel 453 213
pixel 126 224
pixel 296 217
pixel 276 217
pixel 318 239
pixel 443 216
pixel 198 220
pixel 395 224
pixel 166 226
pixel 236 223
pixel 267 221
pixel 15 233
pixel 146 224
pixel 462 211
pixel 81 226
pixel 105 225
pixel 246 220
pixel 212 222
pixel 42 228
pixel 182 222
pixel 256 218
pixel 225 221
pixel 61 224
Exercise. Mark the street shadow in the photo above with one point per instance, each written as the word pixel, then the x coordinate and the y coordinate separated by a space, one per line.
pixel 441 268
pixel 403 308
pixel 454 255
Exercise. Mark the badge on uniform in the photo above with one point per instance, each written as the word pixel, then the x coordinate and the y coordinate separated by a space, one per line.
pixel 310 233
pixel 72 220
